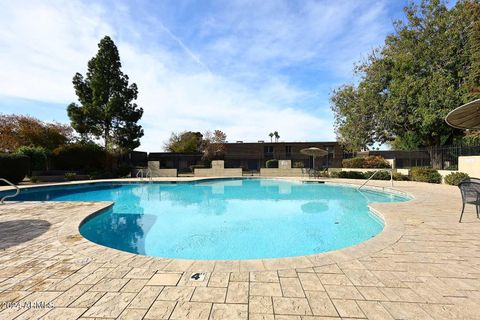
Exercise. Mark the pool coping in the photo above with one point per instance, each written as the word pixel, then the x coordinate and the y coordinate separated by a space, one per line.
pixel 71 238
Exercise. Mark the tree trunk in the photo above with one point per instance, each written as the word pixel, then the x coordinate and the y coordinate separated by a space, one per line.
pixel 436 157
pixel 106 134
pixel 108 164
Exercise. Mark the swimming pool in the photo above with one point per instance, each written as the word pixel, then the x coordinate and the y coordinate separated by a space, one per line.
pixel 224 219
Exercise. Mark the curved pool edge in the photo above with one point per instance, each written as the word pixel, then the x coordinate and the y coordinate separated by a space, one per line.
pixel 393 230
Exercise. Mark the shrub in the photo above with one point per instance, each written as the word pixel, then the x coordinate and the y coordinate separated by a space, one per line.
pixel 371 162
pixel 334 174
pixel 298 164
pixel 13 167
pixel 381 175
pixel 37 155
pixel 350 175
pixel 400 177
pixel 272 163
pixel 70 176
pixel 123 170
pixel 353 162
pixel 425 175
pixel 455 178
pixel 80 157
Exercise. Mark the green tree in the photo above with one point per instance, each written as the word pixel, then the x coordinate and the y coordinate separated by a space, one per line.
pixel 472 138
pixel 186 141
pixel 37 156
pixel 106 108
pixel 271 136
pixel 353 128
pixel 473 79
pixel 424 70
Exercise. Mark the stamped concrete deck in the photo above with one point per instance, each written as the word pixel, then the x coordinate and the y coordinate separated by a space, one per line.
pixel 424 265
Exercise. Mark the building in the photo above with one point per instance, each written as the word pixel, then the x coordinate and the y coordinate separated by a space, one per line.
pixel 252 156
pixel 183 162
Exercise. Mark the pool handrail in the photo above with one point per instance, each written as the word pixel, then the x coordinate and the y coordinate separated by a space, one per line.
pixel 148 174
pixel 9 195
pixel 376 171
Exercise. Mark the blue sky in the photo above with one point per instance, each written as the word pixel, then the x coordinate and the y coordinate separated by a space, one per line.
pixel 245 67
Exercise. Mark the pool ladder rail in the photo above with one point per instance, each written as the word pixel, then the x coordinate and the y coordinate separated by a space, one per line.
pixel 9 195
pixel 144 174
pixel 391 177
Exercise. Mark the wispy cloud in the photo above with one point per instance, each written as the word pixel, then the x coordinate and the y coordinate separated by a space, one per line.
pixel 184 47
pixel 246 67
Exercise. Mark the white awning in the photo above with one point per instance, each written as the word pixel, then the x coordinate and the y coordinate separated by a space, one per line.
pixel 466 116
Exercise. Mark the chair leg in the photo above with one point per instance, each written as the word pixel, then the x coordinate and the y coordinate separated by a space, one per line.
pixel 461 215
pixel 477 206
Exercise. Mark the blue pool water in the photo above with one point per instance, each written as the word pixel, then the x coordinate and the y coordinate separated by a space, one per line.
pixel 225 219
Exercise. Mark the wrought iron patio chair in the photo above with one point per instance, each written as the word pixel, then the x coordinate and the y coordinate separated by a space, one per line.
pixel 304 172
pixel 470 191
pixel 312 173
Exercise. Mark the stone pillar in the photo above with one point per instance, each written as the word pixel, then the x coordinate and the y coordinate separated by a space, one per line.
pixel 284 164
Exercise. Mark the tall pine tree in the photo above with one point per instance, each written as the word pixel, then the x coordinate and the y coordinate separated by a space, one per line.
pixel 106 108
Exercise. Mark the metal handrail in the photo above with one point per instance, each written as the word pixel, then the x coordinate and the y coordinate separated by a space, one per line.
pixel 140 172
pixel 391 177
pixel 9 195
pixel 148 174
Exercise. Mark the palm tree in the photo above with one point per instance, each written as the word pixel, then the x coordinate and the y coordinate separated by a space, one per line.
pixel 275 133
pixel 271 136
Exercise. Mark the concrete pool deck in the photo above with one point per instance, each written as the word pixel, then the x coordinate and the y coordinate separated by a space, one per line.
pixel 424 265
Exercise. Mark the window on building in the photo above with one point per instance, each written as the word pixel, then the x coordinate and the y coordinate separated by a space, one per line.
pixel 288 149
pixel 268 149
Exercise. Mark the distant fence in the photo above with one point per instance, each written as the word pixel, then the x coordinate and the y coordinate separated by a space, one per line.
pixel 138 158
pixel 443 157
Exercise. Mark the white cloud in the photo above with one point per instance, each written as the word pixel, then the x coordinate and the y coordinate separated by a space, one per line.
pixel 44 45
pixel 234 82
pixel 325 35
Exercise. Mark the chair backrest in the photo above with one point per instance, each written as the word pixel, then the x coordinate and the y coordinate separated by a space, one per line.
pixel 477 180
pixel 470 190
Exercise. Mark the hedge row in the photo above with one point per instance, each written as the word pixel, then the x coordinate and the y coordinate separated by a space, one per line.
pixel 416 174
pixel 381 175
pixel 372 162
pixel 13 167
pixel 87 158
